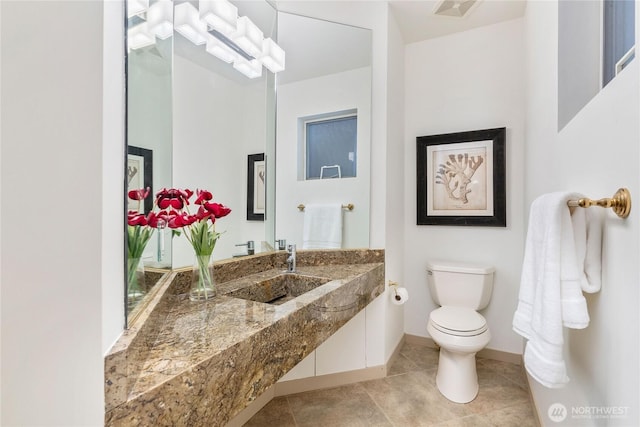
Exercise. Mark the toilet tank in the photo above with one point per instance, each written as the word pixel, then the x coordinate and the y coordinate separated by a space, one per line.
pixel 460 284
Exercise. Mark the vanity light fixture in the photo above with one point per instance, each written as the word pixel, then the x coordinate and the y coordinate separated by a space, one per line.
pixel 220 50
pixel 272 56
pixel 136 7
pixel 250 68
pixel 160 19
pixel 216 23
pixel 220 15
pixel 248 36
pixel 140 36
pixel 187 22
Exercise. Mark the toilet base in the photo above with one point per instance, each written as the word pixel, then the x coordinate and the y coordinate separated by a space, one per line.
pixel 457 378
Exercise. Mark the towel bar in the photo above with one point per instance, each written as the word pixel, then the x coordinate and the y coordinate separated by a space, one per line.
pixel 620 203
pixel 348 207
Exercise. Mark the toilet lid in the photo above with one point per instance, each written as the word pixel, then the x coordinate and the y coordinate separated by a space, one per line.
pixel 458 321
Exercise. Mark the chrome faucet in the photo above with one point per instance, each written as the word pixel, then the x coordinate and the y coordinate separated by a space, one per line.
pixel 250 247
pixel 291 259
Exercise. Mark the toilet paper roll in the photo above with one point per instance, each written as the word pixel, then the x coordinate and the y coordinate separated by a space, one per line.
pixel 399 296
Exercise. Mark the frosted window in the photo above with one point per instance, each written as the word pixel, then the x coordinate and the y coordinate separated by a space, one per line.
pixel 619 35
pixel 332 144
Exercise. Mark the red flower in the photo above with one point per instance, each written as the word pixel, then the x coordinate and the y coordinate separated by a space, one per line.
pixel 212 211
pixel 180 219
pixel 203 196
pixel 218 209
pixel 140 194
pixel 204 215
pixel 173 197
pixel 158 220
pixel 135 218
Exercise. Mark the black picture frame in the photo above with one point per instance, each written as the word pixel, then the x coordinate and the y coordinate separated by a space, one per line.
pixel 137 159
pixel 256 187
pixel 461 178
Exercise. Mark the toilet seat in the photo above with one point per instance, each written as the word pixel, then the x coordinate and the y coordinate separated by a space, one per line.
pixel 458 321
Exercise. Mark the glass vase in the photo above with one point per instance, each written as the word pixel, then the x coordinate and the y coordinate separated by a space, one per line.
pixel 202 280
pixel 136 288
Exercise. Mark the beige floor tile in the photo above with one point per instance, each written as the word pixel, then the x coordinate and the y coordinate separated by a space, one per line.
pixel 508 370
pixel 517 416
pixel 411 399
pixel 275 413
pixel 496 392
pixel 424 357
pixel 347 406
pixel 470 421
pixel 401 365
pixel 408 397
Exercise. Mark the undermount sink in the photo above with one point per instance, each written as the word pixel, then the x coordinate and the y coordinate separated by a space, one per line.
pixel 279 289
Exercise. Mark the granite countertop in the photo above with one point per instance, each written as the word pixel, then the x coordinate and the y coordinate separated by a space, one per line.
pixel 200 363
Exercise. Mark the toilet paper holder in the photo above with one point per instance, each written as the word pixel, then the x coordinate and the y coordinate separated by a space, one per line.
pixel 395 289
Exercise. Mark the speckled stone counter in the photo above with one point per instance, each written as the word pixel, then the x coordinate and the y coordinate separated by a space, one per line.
pixel 200 363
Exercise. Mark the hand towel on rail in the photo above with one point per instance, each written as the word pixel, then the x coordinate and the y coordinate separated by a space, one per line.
pixel 551 285
pixel 322 226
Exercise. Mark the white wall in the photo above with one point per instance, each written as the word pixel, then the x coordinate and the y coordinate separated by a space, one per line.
pixel 327 94
pixel 51 202
pixel 112 172
pixel 216 124
pixel 467 81
pixel 396 196
pixel 596 153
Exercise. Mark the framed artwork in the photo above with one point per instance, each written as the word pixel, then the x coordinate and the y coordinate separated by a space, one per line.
pixel 139 175
pixel 256 189
pixel 461 178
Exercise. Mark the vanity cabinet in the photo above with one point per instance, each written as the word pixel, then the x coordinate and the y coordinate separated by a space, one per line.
pixel 342 352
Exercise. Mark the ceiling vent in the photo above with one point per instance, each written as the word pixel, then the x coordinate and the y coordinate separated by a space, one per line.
pixel 455 8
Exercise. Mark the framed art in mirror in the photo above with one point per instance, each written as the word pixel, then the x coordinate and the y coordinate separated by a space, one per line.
pixel 461 178
pixel 256 189
pixel 139 175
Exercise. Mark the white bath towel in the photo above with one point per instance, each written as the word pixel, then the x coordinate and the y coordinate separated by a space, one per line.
pixel 587 232
pixel 553 275
pixel 322 227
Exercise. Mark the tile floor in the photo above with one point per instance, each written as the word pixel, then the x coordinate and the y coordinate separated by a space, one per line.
pixel 408 397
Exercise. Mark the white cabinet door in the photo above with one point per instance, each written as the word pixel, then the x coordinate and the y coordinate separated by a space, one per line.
pixel 344 350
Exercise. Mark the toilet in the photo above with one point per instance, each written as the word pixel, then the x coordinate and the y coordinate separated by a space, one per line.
pixel 460 290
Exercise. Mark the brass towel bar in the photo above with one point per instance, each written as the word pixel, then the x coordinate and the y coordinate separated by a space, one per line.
pixel 348 207
pixel 620 203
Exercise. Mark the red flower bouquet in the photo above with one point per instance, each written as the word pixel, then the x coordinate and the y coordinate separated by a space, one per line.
pixel 173 212
pixel 199 230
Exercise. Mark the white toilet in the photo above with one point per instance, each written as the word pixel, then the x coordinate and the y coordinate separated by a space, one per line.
pixel 460 331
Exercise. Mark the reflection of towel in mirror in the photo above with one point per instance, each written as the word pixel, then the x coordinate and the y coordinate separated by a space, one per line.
pixel 322 227
pixel 562 257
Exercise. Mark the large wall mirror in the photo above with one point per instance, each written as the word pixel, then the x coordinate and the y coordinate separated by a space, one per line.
pixel 324 125
pixel 194 121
